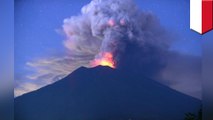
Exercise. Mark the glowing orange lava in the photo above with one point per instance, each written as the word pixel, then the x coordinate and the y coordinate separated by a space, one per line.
pixel 106 59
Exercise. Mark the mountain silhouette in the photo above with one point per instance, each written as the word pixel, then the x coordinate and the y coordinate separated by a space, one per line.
pixel 103 93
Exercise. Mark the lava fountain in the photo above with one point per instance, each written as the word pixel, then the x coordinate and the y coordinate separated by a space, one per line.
pixel 104 59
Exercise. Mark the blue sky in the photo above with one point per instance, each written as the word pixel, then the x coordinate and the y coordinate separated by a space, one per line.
pixel 37 23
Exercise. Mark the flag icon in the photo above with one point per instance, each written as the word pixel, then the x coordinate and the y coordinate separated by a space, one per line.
pixel 201 15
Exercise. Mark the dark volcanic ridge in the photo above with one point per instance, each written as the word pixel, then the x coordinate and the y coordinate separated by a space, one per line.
pixel 103 93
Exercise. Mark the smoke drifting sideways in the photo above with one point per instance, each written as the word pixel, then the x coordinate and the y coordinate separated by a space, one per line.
pixel 114 33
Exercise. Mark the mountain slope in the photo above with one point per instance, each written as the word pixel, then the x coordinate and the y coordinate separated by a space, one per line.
pixel 102 93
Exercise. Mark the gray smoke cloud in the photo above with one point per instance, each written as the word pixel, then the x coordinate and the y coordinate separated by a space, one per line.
pixel 109 26
pixel 135 38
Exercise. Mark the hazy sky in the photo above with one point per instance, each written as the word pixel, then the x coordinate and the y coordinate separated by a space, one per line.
pixel 38 22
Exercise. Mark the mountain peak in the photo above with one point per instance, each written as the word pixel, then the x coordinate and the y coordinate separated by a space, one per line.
pixel 104 93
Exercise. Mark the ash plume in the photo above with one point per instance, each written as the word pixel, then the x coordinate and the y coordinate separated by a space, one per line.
pixel 117 27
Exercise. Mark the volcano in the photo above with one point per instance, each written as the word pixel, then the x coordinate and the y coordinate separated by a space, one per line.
pixel 103 93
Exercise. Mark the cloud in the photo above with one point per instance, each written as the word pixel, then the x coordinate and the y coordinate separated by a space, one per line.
pixel 47 71
pixel 54 68
pixel 25 88
pixel 183 73
pixel 120 28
